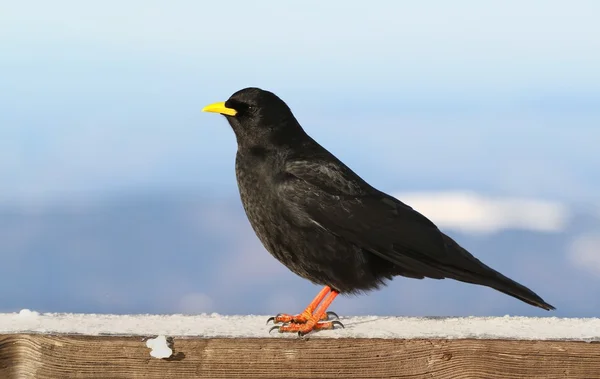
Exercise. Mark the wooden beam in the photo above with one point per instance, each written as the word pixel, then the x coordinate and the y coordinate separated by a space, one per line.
pixel 243 326
pixel 44 356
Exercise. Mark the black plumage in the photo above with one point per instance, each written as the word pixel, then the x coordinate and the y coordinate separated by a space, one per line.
pixel 325 223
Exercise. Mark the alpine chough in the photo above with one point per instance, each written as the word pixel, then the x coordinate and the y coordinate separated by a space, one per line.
pixel 326 224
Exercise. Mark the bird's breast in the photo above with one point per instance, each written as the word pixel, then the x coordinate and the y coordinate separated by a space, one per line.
pixel 258 195
pixel 302 245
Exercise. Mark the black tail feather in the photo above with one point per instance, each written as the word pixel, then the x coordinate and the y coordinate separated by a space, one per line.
pixel 481 274
pixel 508 286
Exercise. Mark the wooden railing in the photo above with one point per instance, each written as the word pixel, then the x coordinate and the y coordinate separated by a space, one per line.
pixel 92 346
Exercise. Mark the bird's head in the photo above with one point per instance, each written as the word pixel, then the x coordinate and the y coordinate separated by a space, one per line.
pixel 256 115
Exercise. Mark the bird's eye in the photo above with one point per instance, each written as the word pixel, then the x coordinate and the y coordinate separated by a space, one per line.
pixel 250 110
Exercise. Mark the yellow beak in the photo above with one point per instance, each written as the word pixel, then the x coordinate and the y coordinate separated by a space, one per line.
pixel 219 108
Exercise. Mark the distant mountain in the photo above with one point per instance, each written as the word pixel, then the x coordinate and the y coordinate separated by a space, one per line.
pixel 173 253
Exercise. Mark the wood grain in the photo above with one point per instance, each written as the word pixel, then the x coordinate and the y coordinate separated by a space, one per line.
pixel 73 356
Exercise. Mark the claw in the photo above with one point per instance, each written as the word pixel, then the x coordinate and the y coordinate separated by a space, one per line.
pixel 274 319
pixel 301 318
pixel 274 327
pixel 334 323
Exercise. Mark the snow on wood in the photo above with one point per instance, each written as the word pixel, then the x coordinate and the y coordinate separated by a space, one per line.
pixel 159 348
pixel 220 326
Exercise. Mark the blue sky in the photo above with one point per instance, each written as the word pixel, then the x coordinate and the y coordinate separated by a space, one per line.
pixel 102 100
pixel 106 96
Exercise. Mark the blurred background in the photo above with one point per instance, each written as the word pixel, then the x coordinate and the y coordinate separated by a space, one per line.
pixel 117 195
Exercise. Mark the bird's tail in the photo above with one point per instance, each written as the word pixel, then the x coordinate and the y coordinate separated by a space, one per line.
pixel 487 276
pixel 508 286
pixel 524 294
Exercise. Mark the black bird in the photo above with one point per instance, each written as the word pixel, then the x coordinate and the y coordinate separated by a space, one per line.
pixel 326 224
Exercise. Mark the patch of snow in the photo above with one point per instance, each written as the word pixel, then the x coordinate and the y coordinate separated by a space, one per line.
pixel 474 213
pixel 28 313
pixel 159 348
pixel 214 326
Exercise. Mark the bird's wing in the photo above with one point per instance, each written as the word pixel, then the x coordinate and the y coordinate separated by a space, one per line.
pixel 336 199
pixel 331 196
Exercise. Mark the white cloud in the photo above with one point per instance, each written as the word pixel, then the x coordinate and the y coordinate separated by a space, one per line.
pixel 474 213
pixel 584 253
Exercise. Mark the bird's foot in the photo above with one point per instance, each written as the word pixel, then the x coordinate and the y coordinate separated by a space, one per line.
pixel 307 327
pixel 313 317
pixel 301 318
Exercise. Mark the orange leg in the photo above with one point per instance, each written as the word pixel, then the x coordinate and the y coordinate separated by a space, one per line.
pixel 307 313
pixel 313 323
